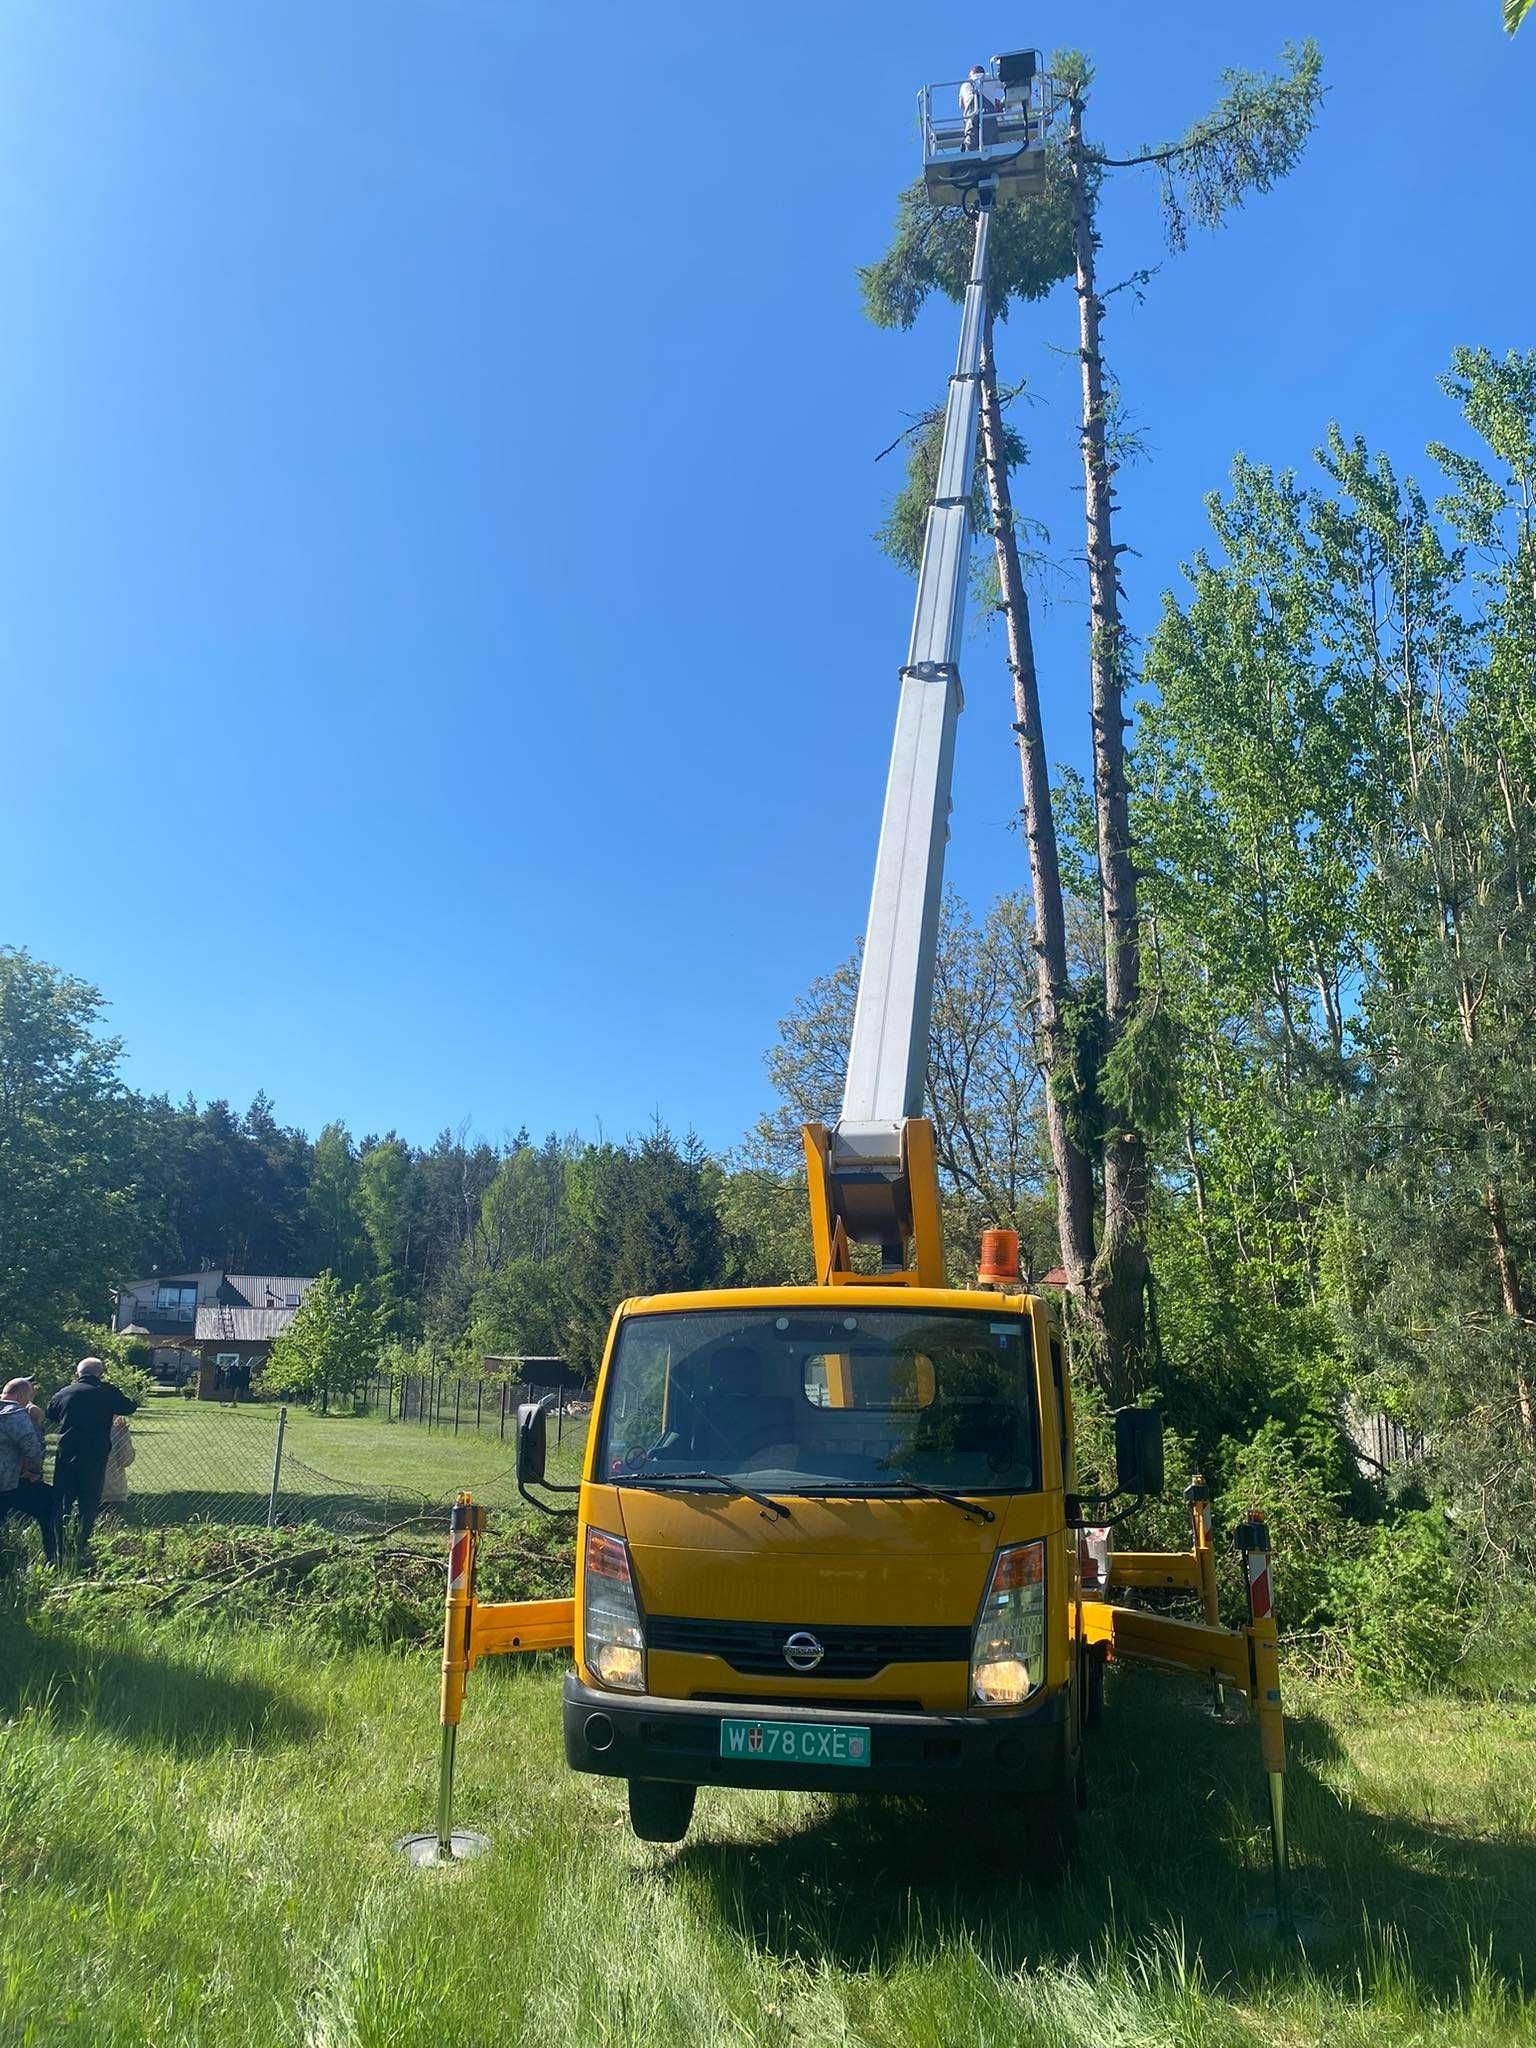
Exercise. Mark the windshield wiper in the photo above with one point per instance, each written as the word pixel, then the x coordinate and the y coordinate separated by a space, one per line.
pixel 660 1482
pixel 904 1488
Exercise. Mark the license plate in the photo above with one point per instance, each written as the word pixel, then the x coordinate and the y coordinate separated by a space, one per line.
pixel 796 1742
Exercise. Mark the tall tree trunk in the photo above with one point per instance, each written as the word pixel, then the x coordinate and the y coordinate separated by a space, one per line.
pixel 1511 1295
pixel 1118 1285
pixel 1073 1172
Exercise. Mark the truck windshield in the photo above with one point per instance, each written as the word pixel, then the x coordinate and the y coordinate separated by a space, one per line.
pixel 807 1400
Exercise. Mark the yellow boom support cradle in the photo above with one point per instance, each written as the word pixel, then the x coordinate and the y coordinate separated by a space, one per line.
pixel 914 1196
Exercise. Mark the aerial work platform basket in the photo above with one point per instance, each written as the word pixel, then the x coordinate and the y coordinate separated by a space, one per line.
pixel 989 127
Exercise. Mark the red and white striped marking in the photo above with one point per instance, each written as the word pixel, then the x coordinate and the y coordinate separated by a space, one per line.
pixel 1258 1585
pixel 458 1562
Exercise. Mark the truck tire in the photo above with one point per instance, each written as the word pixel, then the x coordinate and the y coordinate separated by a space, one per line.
pixel 659 1811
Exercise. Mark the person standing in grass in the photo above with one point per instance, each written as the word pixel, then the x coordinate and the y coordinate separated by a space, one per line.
pixel 82 1413
pixel 114 1487
pixel 22 1491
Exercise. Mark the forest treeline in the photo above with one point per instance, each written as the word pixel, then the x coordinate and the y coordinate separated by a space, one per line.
pixel 465 1245
pixel 1332 1060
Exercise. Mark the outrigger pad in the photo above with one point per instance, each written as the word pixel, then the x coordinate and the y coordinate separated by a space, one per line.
pixel 423 1852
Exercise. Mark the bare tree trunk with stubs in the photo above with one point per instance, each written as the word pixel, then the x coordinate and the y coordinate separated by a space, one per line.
pixel 1117 1288
pixel 1070 1165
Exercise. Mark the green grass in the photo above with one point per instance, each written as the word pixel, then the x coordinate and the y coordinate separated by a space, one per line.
pixel 195 1849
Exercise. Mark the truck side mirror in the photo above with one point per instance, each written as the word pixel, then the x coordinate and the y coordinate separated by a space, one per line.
pixel 1138 1451
pixel 532 1452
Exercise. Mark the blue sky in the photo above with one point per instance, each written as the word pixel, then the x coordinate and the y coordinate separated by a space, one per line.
pixel 446 669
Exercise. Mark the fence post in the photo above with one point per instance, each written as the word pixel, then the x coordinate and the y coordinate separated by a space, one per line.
pixel 479 1401
pixel 560 1415
pixel 277 1467
pixel 458 1398
pixel 501 1432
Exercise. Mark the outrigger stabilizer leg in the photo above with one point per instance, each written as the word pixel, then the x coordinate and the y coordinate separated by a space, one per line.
pixel 1252 1540
pixel 1240 1662
pixel 465 1527
pixel 472 1629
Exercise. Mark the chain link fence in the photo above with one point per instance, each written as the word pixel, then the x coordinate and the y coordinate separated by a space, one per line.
pixel 259 1464
pixel 488 1407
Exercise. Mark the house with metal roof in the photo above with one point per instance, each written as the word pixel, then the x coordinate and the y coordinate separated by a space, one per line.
pixel 215 1327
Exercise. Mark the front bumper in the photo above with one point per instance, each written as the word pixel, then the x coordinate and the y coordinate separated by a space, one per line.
pixel 639 1735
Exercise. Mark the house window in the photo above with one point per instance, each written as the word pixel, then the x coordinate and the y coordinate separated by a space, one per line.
pixel 176 1301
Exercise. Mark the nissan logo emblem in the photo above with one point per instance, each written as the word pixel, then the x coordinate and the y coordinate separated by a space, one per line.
pixel 802 1652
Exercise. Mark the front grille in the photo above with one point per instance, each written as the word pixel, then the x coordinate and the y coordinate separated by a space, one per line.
pixel 763 1705
pixel 756 1648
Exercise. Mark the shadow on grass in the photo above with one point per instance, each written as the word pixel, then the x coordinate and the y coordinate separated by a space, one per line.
pixel 147 1698
pixel 1176 1834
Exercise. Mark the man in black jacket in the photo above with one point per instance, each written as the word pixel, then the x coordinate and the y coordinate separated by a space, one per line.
pixel 82 1413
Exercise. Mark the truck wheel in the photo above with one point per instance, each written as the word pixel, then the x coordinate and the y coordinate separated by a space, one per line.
pixel 658 1811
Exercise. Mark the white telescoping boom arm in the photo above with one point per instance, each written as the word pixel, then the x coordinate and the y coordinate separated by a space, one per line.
pixel 888 1053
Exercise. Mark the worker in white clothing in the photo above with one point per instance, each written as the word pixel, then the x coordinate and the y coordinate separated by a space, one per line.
pixel 980 98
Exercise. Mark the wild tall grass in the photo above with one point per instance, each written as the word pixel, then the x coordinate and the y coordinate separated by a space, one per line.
pixel 195 1850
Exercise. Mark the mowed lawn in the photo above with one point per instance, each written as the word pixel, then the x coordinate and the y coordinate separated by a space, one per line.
pixel 196 1458
pixel 195 1849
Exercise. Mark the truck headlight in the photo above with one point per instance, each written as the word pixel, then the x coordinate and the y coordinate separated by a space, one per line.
pixel 615 1636
pixel 1008 1646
